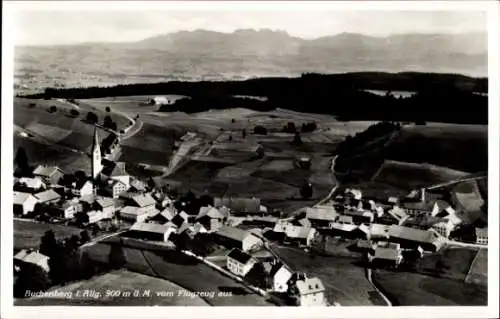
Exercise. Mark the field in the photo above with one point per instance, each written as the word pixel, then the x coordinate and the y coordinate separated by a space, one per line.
pixel 344 279
pixel 411 289
pixel 478 273
pixel 459 147
pixel 120 280
pixel 183 271
pixel 415 175
pixel 28 234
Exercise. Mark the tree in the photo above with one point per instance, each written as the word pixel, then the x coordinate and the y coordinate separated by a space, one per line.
pixel 206 200
pixel 290 128
pixel 72 243
pixel 108 121
pixel 48 245
pixel 259 129
pixel 21 160
pixel 52 109
pixel 32 279
pixel 244 134
pixel 306 191
pixel 74 113
pixel 92 117
pixel 108 109
pixel 113 126
pixel 296 139
pixel 257 276
pixel 84 236
pixel 117 256
pixel 233 120
pixel 80 175
pixel 81 218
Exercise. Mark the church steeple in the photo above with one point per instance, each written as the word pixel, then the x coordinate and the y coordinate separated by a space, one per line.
pixel 96 156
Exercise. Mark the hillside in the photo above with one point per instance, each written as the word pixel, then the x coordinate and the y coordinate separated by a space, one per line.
pixel 207 55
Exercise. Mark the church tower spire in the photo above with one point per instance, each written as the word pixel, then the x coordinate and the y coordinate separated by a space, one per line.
pixel 96 156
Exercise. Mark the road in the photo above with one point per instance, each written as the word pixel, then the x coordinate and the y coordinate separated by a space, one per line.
pixel 462 244
pixel 99 238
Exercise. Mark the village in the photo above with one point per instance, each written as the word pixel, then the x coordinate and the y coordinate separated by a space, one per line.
pixel 234 235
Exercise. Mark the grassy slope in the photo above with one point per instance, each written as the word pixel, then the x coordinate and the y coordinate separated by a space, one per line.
pixel 344 281
pixel 28 234
pixel 478 273
pixel 120 280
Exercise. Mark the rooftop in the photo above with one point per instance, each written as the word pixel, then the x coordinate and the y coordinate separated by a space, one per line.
pixel 47 195
pixel 388 253
pixel 321 213
pixel 239 256
pixel 310 286
pixel 20 198
pixel 105 202
pixel 412 234
pixel 143 200
pixel 114 169
pixel 151 227
pixel 45 170
pixel 232 233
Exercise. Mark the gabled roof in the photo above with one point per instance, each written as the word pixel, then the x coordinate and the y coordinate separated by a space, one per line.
pixel 46 171
pixel 105 202
pixel 398 213
pixel 343 227
pixel 238 204
pixel 151 227
pixel 20 198
pixel 31 182
pixel 232 233
pixel 345 219
pixel 387 253
pixel 112 169
pixel 138 184
pixel 209 211
pixel 33 257
pixel 143 200
pixel 321 213
pixel 297 231
pixel 412 234
pixel 310 286
pixel 132 210
pixel 47 195
pixel 239 256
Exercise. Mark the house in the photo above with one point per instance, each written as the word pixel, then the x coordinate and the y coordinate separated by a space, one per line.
pixel 115 171
pixel 239 262
pixel 441 208
pixel 144 201
pixel 237 238
pixel 343 219
pixel 29 185
pixel 310 292
pixel 24 203
pixel 67 210
pixel 106 204
pixel 97 215
pixel 399 215
pixel 481 236
pixel 360 216
pixel 280 274
pixel 410 237
pixel 115 188
pixel 444 227
pixel 392 200
pixel 300 235
pixel 390 255
pixel 414 208
pixel 159 101
pixel 81 187
pixel 345 230
pixel 49 174
pixel 48 196
pixel 137 185
pixel 151 231
pixel 365 244
pixel 238 205
pixel 164 216
pixel 379 231
pixel 321 216
pixel 32 258
pixel 353 193
pixel 136 214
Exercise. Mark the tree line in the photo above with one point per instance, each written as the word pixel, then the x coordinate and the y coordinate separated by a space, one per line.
pixel 438 97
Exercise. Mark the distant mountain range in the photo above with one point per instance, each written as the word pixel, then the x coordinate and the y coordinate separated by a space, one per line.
pixel 202 54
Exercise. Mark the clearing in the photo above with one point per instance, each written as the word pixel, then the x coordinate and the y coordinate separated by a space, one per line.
pixel 27 234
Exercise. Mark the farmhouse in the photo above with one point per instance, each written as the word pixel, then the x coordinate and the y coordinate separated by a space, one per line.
pixel 399 215
pixel 390 255
pixel 237 238
pixel 115 171
pixel 24 203
pixel 48 196
pixel 428 240
pixel 280 274
pixel 481 236
pixel 321 216
pixel 97 215
pixel 82 188
pixel 300 235
pixel 444 227
pixel 67 210
pixel 114 188
pixel 106 204
pixel 236 205
pixel 29 185
pixel 32 258
pixel 310 292
pixel 164 216
pixel 239 262
pixel 135 214
pixel 49 174
pixel 150 231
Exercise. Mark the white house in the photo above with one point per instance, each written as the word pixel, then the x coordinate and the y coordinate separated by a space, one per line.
pixel 116 187
pixel 280 274
pixel 311 292
pixel 238 238
pixel 239 262
pixel 482 236
pixel 302 235
pixel 24 203
pixel 48 196
pixel 106 204
pixel 49 174
pixel 444 227
pixel 67 209
pixel 33 258
pixel 33 184
pixel 82 188
pixel 136 214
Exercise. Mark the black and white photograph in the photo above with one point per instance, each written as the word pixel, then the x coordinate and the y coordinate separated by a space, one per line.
pixel 331 155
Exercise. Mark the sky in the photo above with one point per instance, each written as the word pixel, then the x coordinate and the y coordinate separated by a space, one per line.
pixel 47 26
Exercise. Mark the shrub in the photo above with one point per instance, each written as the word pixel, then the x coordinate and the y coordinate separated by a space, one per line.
pixel 259 129
pixel 74 113
pixel 52 109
